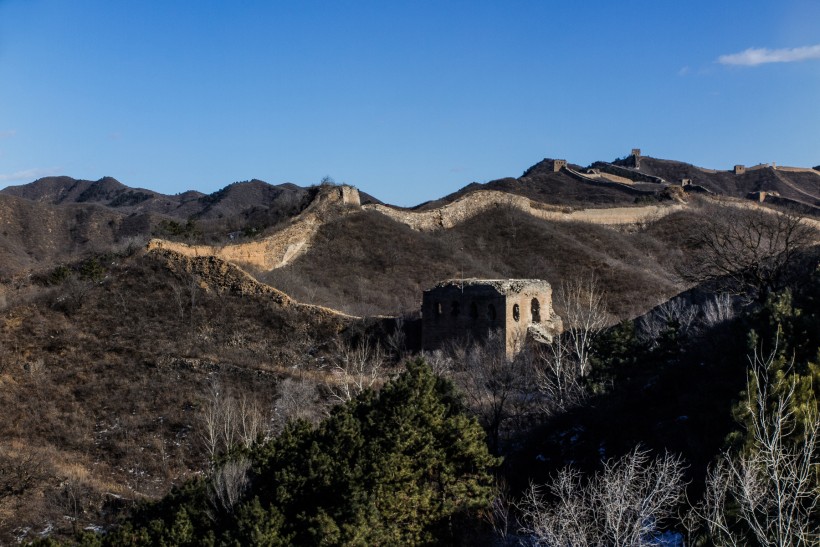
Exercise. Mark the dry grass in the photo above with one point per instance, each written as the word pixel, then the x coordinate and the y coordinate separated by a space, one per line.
pixel 368 264
pixel 102 401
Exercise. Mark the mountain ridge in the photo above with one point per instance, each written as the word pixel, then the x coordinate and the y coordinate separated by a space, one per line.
pixel 762 177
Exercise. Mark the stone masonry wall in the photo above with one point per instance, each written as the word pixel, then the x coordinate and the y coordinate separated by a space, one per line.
pixel 469 310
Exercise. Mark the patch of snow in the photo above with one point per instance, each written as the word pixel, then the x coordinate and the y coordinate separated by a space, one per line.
pixel 669 539
pixel 21 534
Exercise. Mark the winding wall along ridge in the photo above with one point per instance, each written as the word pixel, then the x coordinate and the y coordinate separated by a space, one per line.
pixel 284 246
pixel 468 206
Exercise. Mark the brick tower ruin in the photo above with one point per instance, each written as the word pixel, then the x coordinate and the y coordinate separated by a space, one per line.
pixel 470 309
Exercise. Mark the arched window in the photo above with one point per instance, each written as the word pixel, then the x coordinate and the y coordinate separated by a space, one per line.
pixel 491 312
pixel 536 310
pixel 516 312
pixel 473 310
pixel 455 308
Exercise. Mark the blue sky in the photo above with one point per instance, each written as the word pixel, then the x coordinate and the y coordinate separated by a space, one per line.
pixel 406 100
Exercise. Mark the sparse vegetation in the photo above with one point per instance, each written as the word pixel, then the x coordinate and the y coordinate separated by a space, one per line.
pixel 401 466
pixel 164 398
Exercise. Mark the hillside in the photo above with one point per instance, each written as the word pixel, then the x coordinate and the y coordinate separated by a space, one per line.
pixel 388 274
pixel 103 378
pixel 264 227
pixel 124 313
pixel 800 185
pixel 621 182
pixel 40 235
pixel 539 183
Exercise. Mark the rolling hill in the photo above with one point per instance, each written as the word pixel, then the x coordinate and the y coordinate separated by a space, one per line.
pixel 123 309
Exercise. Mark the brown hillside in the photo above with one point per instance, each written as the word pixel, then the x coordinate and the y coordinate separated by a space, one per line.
pixel 368 264
pixel 541 184
pixel 37 234
pixel 102 381
pixel 798 185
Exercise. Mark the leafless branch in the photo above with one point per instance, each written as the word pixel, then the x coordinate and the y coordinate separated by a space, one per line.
pixel 773 485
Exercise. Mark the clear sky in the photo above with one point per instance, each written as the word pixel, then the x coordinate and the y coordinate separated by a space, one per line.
pixel 406 100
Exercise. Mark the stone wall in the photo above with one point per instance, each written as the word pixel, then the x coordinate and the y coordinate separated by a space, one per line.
pixel 798 169
pixel 294 239
pixel 628 173
pixel 604 180
pixel 284 246
pixel 461 311
pixel 468 206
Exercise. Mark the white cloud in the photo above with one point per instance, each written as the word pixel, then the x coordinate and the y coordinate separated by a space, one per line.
pixel 27 175
pixel 9 133
pixel 684 71
pixel 759 56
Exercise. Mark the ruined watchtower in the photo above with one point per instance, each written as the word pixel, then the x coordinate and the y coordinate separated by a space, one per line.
pixel 635 157
pixel 557 165
pixel 472 308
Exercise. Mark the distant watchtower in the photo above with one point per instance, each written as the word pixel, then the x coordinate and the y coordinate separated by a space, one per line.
pixel 557 165
pixel 740 169
pixel 471 308
pixel 635 156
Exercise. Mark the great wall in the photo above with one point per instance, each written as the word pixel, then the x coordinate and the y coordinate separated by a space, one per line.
pixel 289 243
pixel 332 202
pixel 284 246
pixel 222 276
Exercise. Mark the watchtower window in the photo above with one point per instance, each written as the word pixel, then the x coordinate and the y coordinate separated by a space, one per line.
pixel 473 310
pixel 491 312
pixel 536 310
pixel 516 312
pixel 455 308
pixel 437 309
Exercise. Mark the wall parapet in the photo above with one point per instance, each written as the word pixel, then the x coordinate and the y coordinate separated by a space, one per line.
pixel 628 173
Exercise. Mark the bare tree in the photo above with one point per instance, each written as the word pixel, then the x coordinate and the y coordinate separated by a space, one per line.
pixel 228 420
pixel 439 360
pixel 567 520
pixel 252 421
pixel 211 420
pixel 74 294
pixel 19 471
pixel 626 504
pixel 498 388
pixel 675 313
pixel 180 297
pixel 356 368
pixel 500 515
pixel 74 493
pixel 770 492
pixel 229 484
pixel 558 376
pixel 296 400
pixel 748 250
pixel 718 310
pixel 582 304
pixel 396 340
